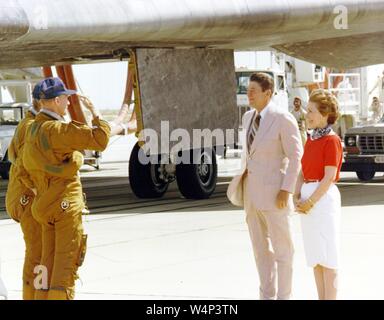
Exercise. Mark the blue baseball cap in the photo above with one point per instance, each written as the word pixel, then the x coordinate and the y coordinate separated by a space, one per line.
pixel 54 87
pixel 36 91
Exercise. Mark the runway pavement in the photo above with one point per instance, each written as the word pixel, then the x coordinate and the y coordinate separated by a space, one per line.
pixel 173 248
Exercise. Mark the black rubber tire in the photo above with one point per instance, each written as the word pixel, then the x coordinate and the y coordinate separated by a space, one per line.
pixel 192 182
pixel 5 173
pixel 366 175
pixel 142 177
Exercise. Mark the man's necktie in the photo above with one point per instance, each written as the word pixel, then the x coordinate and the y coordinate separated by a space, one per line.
pixel 254 128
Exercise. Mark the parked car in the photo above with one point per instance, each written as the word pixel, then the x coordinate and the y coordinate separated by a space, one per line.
pixel 10 116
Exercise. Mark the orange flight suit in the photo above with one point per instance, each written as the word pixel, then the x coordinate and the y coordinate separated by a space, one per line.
pixel 59 202
pixel 19 199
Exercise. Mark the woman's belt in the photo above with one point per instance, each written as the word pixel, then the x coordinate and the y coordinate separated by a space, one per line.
pixel 311 181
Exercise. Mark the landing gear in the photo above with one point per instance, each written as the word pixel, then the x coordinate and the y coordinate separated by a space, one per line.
pixel 366 175
pixel 147 180
pixel 197 179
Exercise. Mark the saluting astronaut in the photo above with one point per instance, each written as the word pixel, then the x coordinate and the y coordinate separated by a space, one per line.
pixel 21 194
pixel 50 144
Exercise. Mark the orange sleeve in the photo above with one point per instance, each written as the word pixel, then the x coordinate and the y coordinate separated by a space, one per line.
pixel 332 152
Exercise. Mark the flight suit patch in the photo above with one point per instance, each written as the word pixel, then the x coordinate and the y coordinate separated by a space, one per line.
pixel 44 142
pixel 34 128
pixel 53 169
pixel 24 200
pixel 64 204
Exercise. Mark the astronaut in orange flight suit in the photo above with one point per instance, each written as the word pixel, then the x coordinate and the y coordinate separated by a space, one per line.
pixel 59 201
pixel 20 196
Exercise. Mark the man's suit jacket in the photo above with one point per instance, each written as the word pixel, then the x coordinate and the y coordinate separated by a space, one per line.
pixel 274 159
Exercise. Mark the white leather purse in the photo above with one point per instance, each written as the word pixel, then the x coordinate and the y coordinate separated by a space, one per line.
pixel 235 192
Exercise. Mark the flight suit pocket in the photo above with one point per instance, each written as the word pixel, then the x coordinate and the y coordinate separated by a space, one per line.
pixel 82 250
pixel 21 206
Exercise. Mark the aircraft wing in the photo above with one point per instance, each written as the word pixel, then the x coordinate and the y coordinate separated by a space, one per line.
pixel 45 32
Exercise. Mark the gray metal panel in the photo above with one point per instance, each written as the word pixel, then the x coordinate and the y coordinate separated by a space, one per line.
pixel 351 52
pixel 192 89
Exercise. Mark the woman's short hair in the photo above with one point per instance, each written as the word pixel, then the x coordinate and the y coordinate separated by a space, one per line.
pixel 327 104
pixel 264 80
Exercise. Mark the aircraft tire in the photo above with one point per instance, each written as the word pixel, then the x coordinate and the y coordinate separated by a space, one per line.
pixel 143 178
pixel 197 180
pixel 6 166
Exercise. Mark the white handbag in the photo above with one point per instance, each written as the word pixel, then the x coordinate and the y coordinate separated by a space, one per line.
pixel 235 191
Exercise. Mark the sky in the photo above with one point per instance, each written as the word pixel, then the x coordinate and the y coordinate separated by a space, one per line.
pixel 104 83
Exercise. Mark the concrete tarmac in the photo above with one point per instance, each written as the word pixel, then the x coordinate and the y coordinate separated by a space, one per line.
pixel 173 248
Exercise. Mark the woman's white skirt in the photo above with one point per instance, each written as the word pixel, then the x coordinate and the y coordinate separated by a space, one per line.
pixel 321 227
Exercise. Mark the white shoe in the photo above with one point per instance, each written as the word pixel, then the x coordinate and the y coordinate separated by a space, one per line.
pixel 3 290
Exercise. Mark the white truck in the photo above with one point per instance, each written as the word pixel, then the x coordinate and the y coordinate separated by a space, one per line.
pixel 364 150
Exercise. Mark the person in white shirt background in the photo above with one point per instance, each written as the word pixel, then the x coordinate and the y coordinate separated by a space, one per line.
pixel 377 109
pixel 380 86
pixel 299 113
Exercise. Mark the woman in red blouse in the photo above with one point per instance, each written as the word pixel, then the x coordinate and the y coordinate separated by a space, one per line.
pixel 316 195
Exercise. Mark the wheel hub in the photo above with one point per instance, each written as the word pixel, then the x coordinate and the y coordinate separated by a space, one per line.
pixel 166 173
pixel 204 168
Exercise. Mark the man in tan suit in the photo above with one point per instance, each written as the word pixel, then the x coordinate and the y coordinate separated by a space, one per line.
pixel 270 165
